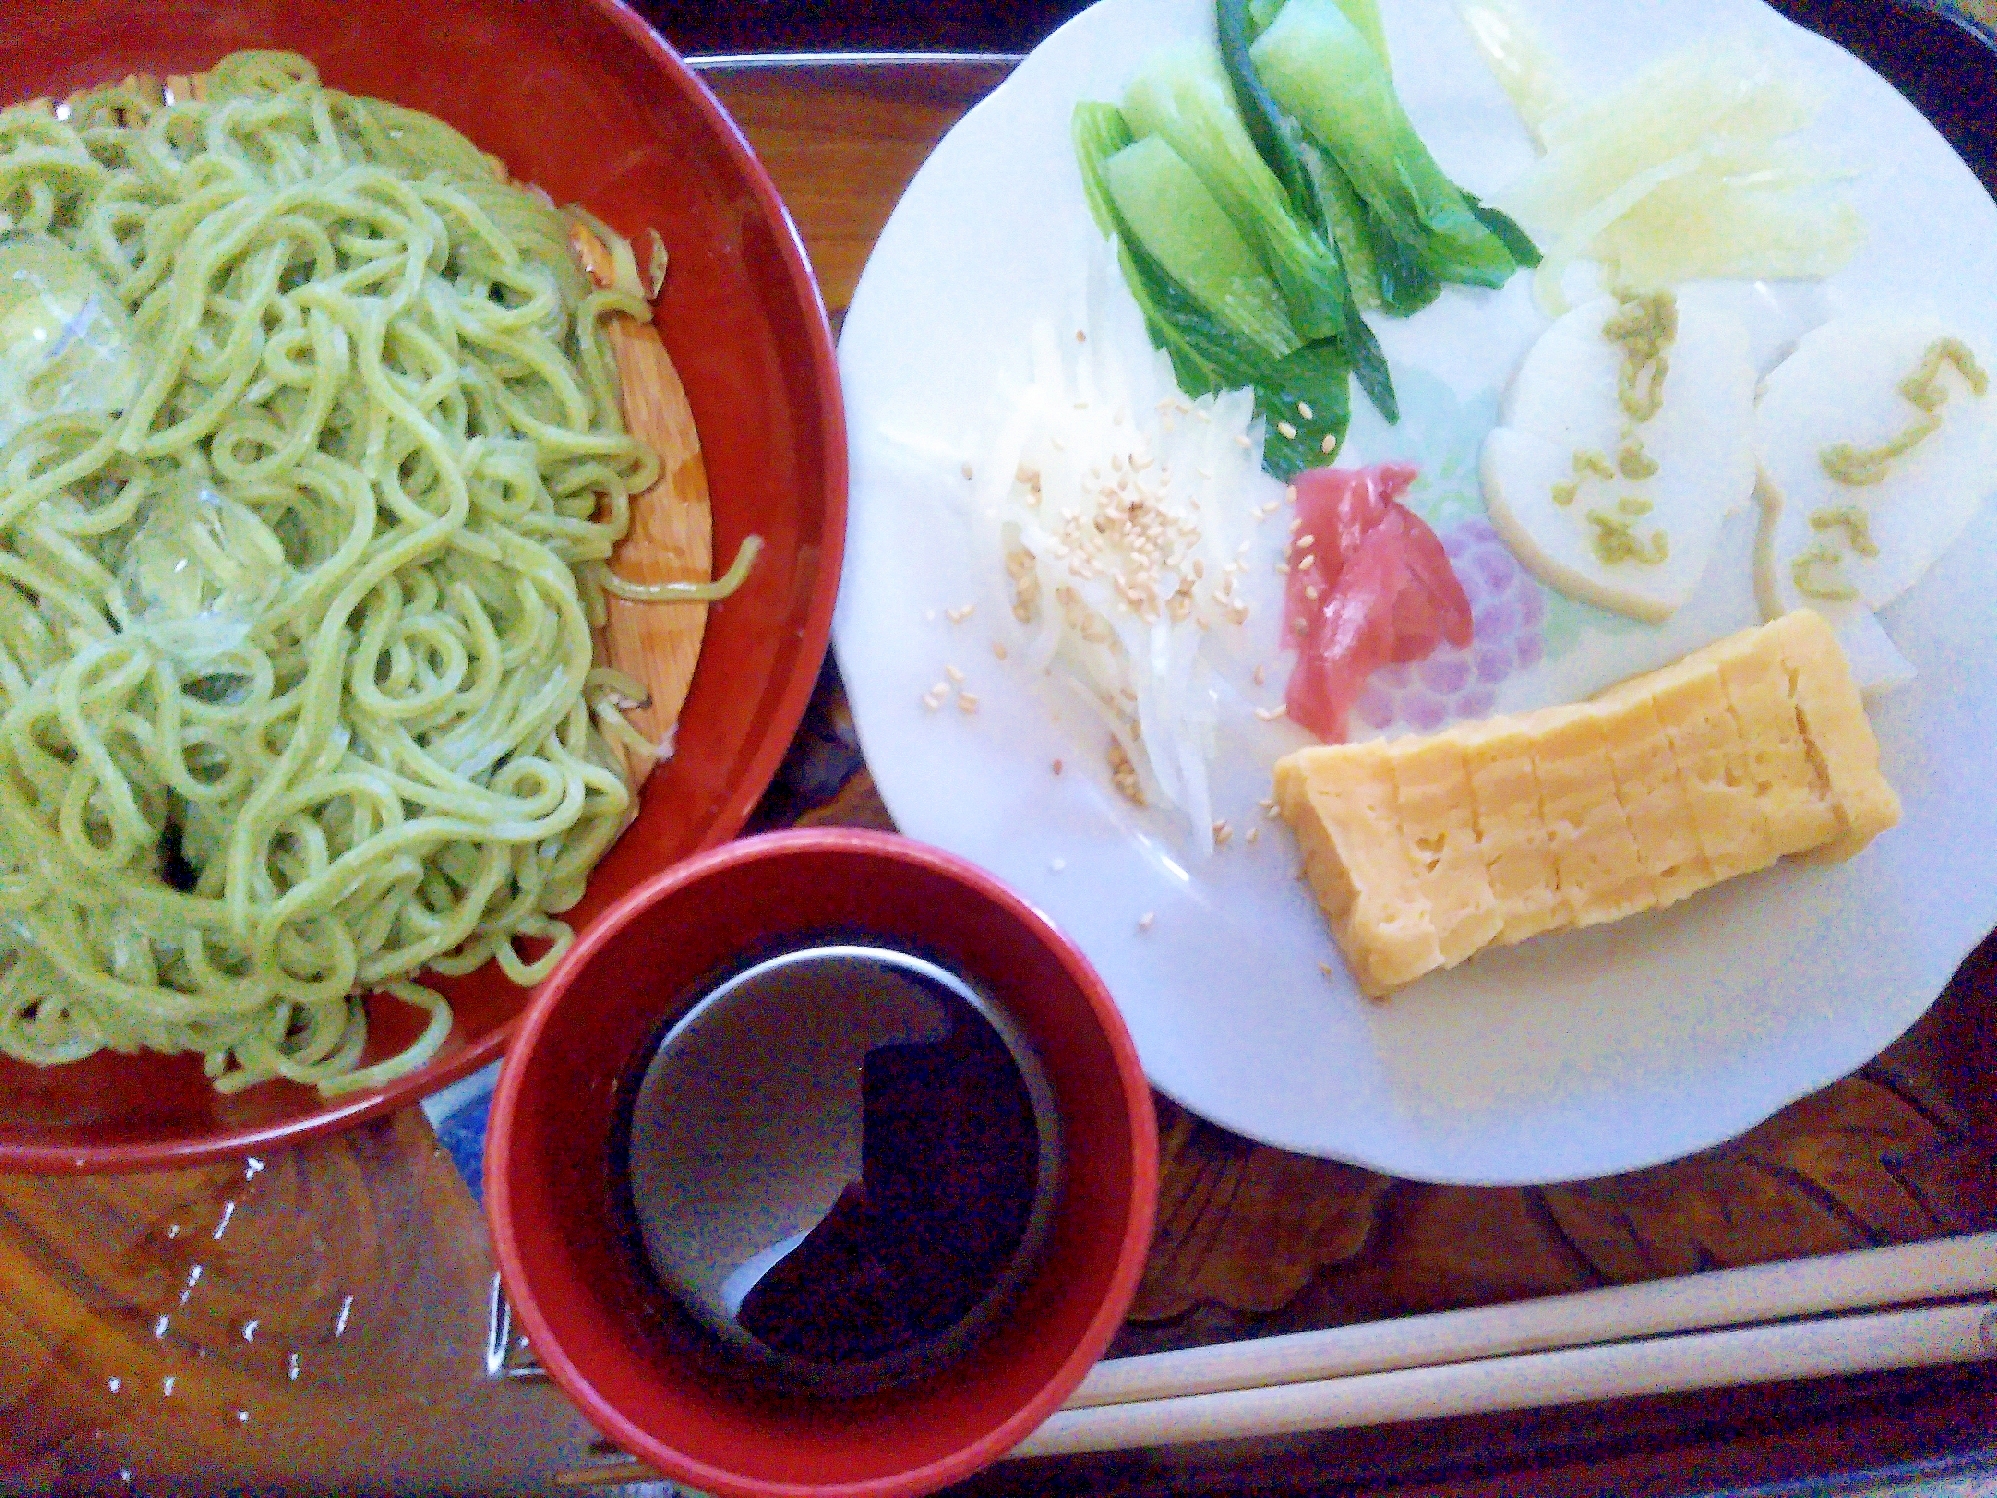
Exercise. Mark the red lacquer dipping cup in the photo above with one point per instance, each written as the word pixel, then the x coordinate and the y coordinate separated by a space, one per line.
pixel 615 1341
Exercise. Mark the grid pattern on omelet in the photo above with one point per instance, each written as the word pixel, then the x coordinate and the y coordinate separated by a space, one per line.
pixel 1423 851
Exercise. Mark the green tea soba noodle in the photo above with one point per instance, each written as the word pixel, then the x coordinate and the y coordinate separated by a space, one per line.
pixel 311 464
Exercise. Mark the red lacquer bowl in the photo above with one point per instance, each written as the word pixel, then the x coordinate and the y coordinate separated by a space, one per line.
pixel 610 1336
pixel 582 98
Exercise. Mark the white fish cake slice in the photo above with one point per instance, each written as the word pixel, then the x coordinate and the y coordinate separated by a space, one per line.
pixel 1842 385
pixel 1565 400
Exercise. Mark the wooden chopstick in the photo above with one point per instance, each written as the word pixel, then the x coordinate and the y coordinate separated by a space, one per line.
pixel 1669 1336
pixel 1667 1365
pixel 1829 1346
pixel 1868 1278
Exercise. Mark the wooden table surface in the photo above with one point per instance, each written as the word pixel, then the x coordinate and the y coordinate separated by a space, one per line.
pixel 318 1320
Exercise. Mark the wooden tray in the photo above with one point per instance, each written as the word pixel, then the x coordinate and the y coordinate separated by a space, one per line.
pixel 321 1320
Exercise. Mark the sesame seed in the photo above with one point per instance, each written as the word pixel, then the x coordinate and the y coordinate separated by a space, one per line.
pixel 941 689
pixel 1286 429
pixel 1307 540
pixel 1269 714
pixel 1261 675
pixel 1311 593
pixel 953 673
pixel 1290 493
pixel 1307 563
pixel 1282 567
pixel 1241 440
pixel 930 701
pixel 1253 834
pixel 1057 767
pixel 1205 473
pixel 1325 968
pixel 1304 410
pixel 1329 443
pixel 1297 627
pixel 968 472
pixel 1144 921
pixel 1221 833
pixel 998 649
pixel 1080 336
pixel 966 702
pixel 959 615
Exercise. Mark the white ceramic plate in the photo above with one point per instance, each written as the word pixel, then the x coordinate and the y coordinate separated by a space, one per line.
pixel 1574 1055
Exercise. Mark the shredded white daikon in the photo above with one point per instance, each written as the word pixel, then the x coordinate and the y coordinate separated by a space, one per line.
pixel 1114 508
pixel 1688 170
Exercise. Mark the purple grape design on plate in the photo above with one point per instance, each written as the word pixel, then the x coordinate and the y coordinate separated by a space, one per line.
pixel 1507 610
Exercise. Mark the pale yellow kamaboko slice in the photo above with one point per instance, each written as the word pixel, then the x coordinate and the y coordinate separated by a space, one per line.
pixel 1563 417
pixel 1852 534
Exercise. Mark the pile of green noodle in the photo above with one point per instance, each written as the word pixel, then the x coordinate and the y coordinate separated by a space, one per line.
pixel 296 689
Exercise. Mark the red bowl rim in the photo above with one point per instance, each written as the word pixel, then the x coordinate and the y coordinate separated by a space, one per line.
pixel 779 729
pixel 1131 1254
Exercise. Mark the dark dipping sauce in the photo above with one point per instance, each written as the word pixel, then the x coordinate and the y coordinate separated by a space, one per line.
pixel 843 1162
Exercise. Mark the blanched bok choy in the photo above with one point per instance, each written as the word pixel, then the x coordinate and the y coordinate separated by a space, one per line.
pixel 1381 271
pixel 1169 211
pixel 1324 72
pixel 1207 298
pixel 1182 97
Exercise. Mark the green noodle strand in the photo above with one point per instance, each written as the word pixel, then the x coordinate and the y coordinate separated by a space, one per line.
pixel 296 692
